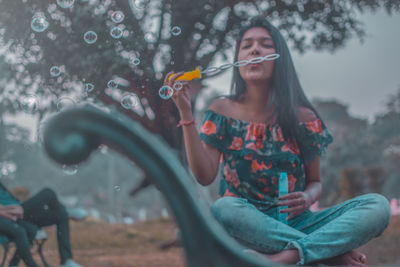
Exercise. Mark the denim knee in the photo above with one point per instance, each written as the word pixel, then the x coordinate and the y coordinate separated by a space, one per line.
pixel 224 209
pixel 380 211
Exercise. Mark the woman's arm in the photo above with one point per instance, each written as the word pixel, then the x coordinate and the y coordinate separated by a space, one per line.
pixel 203 159
pixel 311 168
pixel 313 180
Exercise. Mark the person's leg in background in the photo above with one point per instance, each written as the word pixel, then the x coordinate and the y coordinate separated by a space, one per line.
pixel 21 234
pixel 44 209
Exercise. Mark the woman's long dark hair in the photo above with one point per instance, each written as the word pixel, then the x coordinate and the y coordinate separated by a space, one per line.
pixel 286 94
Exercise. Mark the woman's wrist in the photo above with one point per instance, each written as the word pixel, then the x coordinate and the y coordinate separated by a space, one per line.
pixel 186 116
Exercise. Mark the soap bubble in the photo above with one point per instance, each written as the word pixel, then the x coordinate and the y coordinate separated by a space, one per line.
pixel 65 102
pixel 70 170
pixel 55 71
pixel 116 32
pixel 166 92
pixel 89 87
pixel 128 101
pixel 117 16
pixel 178 85
pixel 117 188
pixel 39 22
pixel 140 4
pixel 90 37
pixel 65 3
pixel 135 61
pixel 176 30
pixel 112 84
pixel 29 103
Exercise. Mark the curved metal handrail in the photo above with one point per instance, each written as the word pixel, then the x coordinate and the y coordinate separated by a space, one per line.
pixel 72 135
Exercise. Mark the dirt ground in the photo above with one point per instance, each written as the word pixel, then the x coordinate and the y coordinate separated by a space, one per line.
pixel 98 244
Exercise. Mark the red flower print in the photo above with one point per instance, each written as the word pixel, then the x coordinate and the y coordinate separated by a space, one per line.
pixel 260 196
pixel 237 143
pixel 231 177
pixel 277 134
pixel 314 126
pixel 292 147
pixel 285 148
pixel 262 180
pixel 274 181
pixel 229 194
pixel 251 146
pixel 255 166
pixel 266 190
pixel 208 127
pixel 292 182
pixel 256 131
pixel 259 144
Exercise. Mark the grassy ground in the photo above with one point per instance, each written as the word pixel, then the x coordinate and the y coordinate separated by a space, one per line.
pixel 99 244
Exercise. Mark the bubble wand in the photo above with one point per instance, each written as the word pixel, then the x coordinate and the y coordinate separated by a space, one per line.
pixel 166 91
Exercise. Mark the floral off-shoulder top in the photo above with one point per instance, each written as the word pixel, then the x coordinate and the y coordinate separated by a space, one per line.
pixel 253 155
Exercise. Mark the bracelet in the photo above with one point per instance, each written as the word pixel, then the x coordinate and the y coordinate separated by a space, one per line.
pixel 185 123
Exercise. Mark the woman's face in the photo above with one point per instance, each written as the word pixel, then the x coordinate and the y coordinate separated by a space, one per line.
pixel 256 42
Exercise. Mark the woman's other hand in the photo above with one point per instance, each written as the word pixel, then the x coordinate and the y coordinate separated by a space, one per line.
pixel 181 97
pixel 7 213
pixel 297 203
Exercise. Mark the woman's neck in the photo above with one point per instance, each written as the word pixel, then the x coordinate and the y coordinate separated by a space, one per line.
pixel 256 97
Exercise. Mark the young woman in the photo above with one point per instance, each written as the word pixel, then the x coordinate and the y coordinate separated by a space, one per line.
pixel 266 127
pixel 20 221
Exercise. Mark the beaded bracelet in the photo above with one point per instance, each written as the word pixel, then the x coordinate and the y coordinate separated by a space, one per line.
pixel 185 123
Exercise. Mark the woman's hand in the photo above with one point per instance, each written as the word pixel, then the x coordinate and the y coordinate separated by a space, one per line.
pixel 181 97
pixel 11 212
pixel 297 203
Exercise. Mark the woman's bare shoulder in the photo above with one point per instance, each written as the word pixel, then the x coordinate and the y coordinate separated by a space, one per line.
pixel 306 114
pixel 222 105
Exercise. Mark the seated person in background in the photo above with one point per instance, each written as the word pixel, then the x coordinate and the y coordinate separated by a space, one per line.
pixel 19 222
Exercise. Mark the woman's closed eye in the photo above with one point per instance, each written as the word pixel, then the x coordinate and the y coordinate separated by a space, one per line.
pixel 264 45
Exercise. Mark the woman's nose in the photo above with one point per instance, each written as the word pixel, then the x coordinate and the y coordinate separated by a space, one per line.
pixel 255 50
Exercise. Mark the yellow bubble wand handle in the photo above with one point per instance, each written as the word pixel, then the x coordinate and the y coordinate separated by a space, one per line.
pixel 188 76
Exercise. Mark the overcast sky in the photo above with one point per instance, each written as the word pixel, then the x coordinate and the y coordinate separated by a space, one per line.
pixel 360 75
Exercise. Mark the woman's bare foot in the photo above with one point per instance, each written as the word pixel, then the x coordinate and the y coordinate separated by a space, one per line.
pixel 351 258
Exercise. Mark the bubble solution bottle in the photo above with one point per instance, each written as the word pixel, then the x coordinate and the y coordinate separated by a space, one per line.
pixel 283 190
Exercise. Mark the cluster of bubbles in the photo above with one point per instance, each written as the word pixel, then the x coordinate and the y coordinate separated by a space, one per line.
pixel 166 91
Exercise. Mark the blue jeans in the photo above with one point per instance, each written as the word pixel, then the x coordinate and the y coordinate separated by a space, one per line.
pixel 316 235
